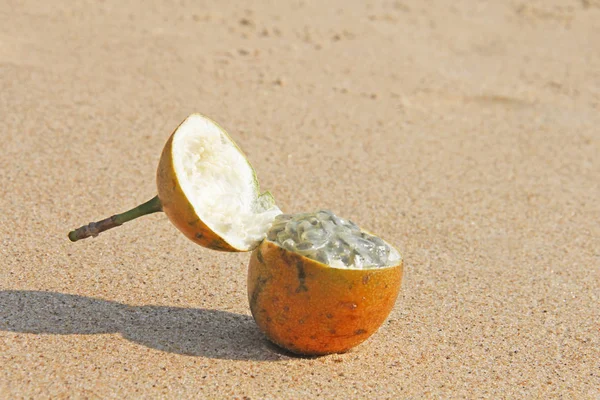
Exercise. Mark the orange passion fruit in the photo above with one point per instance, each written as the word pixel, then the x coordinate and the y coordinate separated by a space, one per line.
pixel 312 308
pixel 317 284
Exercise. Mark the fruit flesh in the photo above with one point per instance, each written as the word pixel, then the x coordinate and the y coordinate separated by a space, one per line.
pixel 309 308
pixel 331 240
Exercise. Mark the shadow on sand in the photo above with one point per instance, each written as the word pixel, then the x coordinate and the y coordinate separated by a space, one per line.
pixel 189 331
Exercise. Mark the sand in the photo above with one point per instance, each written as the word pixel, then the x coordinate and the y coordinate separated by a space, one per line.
pixel 466 133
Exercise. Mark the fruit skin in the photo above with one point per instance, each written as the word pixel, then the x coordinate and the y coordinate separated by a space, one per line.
pixel 309 308
pixel 180 211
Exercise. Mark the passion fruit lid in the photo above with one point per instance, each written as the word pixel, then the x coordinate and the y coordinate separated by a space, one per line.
pixel 220 183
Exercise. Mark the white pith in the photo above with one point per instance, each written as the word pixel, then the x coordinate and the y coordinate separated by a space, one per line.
pixel 220 184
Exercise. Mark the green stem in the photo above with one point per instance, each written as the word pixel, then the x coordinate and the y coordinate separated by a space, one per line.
pixel 95 228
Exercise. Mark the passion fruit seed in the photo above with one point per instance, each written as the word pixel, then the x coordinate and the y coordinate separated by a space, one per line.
pixel 322 236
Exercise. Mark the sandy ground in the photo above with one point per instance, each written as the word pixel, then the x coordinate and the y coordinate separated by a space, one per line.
pixel 464 132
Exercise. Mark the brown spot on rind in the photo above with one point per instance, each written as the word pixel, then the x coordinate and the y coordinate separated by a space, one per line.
pixel 260 285
pixel 301 288
pixel 283 253
pixel 329 315
pixel 259 256
pixel 360 332
pixel 301 277
pixel 199 235
pixel 365 279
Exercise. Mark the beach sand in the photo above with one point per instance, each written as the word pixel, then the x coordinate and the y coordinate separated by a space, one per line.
pixel 465 133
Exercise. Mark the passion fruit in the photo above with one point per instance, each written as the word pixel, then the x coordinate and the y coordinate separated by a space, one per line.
pixel 325 295
pixel 317 283
pixel 207 188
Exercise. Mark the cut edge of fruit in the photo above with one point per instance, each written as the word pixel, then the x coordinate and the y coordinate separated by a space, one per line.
pixel 393 261
pixel 396 261
pixel 333 241
pixel 220 183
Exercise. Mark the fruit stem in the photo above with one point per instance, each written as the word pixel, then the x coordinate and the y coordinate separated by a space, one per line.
pixel 94 228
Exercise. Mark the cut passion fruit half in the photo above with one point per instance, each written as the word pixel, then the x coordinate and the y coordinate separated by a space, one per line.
pixel 319 284
pixel 207 188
